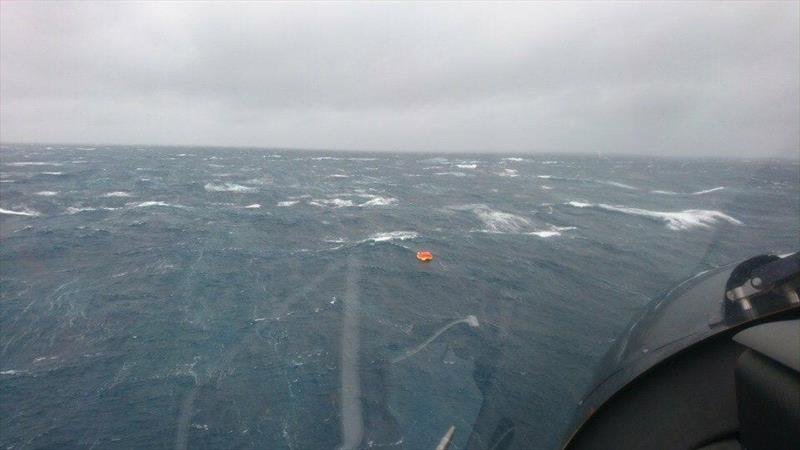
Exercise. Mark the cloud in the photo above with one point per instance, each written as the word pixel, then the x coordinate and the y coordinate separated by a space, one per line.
pixel 676 78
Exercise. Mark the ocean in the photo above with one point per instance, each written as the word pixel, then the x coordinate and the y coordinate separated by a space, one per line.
pixel 271 299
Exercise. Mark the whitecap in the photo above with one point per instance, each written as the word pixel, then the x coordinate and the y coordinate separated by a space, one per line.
pixel 679 220
pixel 544 177
pixel 437 160
pixel 24 212
pixel 579 204
pixel 13 372
pixel 467 166
pixel 545 233
pixel 498 221
pixel 705 191
pixel 253 206
pixel 375 200
pixel 338 175
pixel 8 181
pixel 33 163
pixel 455 174
pixel 259 181
pixel 154 203
pixel 620 185
pixel 545 187
pixel 288 203
pixel 718 188
pixel 80 209
pixel 47 193
pixel 228 187
pixel 551 232
pixel 392 236
pixel 116 194
pixel 332 202
pixel 514 159
pixel 508 173
pixel 52 173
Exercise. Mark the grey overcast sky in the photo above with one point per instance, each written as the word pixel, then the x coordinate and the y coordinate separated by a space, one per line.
pixel 684 78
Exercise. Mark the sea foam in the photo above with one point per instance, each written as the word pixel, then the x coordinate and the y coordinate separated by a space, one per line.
pixel 392 236
pixel 228 187
pixel 24 212
pixel 678 220
pixel 331 202
pixel 375 200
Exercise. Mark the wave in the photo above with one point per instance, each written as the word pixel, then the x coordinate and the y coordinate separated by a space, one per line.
pixel 514 159
pixel 253 206
pixel 580 180
pixel 545 187
pixel 579 204
pixel 718 188
pixel 375 200
pixel 619 185
pixel 455 174
pixel 331 202
pixel 551 232
pixel 116 194
pixel 228 187
pixel 436 160
pixel 508 173
pixel 338 175
pixel 80 209
pixel 680 220
pixel 260 181
pixel 705 191
pixel 498 221
pixel 25 212
pixel 52 173
pixel 502 222
pixel 392 236
pixel 288 203
pixel 33 163
pixel 154 203
pixel 47 193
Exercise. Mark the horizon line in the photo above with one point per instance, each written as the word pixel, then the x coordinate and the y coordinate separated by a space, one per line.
pixel 795 157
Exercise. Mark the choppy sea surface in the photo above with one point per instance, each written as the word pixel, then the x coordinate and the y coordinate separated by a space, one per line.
pixel 232 298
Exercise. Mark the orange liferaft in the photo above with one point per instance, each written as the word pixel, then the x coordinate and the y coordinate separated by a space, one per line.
pixel 424 255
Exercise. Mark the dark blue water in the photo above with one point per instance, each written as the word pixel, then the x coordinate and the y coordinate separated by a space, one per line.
pixel 223 298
